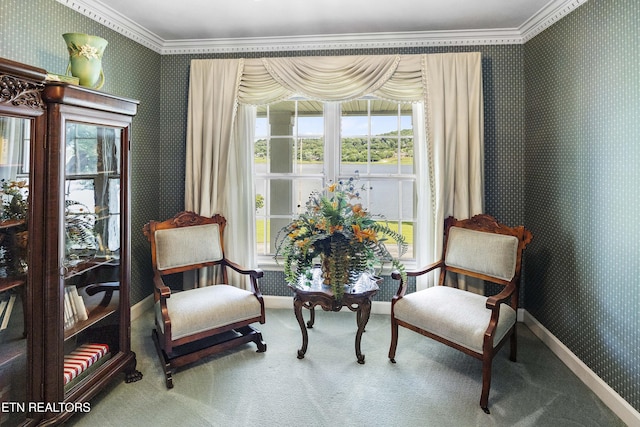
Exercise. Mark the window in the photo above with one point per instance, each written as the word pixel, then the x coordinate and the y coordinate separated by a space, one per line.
pixel 15 141
pixel 303 145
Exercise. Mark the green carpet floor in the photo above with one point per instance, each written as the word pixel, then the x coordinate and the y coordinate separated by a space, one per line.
pixel 430 385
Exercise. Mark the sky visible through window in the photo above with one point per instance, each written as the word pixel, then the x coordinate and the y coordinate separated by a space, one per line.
pixel 351 125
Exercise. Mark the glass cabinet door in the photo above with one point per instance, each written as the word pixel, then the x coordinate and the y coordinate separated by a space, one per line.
pixel 92 241
pixel 14 241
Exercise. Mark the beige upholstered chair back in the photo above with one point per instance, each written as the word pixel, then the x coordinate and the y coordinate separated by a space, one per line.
pixel 483 253
pixel 186 242
pixel 186 246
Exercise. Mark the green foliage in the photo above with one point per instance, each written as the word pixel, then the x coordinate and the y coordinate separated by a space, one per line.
pixel 354 150
pixel 259 201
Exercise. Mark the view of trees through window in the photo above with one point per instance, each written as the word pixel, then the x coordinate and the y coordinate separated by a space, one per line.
pixel 301 146
pixel 383 147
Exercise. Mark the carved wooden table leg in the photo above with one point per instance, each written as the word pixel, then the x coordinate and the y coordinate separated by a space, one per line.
pixel 312 318
pixel 315 294
pixel 362 316
pixel 297 308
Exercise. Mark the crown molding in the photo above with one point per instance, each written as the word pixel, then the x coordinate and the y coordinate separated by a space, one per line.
pixel 343 41
pixel 547 16
pixel 115 21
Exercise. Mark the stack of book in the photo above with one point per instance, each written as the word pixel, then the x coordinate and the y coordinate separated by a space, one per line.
pixel 6 306
pixel 74 309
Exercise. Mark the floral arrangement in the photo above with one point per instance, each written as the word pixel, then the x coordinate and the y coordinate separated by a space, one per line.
pixel 341 233
pixel 14 200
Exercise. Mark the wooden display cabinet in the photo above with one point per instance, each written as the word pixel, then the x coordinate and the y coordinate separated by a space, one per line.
pixel 64 245
pixel 87 220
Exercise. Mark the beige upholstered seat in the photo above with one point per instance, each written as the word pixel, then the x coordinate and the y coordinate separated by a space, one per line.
pixel 198 322
pixel 438 311
pixel 479 247
pixel 201 309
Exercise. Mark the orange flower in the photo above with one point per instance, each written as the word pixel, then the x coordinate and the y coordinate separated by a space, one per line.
pixel 332 187
pixel 358 210
pixel 335 228
pixel 302 243
pixel 294 234
pixel 367 233
pixel 371 234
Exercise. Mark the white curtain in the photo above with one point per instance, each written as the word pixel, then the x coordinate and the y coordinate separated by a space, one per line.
pixel 455 144
pixel 219 140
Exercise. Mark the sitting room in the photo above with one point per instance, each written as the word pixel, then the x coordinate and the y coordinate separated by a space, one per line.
pixel 270 213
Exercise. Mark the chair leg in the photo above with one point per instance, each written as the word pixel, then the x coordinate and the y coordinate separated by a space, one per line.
pixel 262 346
pixel 394 340
pixel 166 364
pixel 486 383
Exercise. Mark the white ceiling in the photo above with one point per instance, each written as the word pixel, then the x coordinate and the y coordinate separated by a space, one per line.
pixel 169 26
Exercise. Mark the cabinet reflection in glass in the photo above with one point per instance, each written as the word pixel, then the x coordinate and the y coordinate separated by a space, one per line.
pixel 15 134
pixel 92 191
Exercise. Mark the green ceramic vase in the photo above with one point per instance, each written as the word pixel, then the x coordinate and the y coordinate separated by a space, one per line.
pixel 85 58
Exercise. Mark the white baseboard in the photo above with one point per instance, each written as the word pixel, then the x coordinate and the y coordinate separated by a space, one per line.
pixel 140 307
pixel 377 307
pixel 277 302
pixel 608 395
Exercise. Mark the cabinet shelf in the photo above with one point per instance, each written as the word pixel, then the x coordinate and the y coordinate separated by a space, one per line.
pixel 7 283
pixel 97 312
pixel 86 265
pixel 10 223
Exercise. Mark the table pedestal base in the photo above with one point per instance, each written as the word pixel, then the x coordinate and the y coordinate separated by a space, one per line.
pixel 360 303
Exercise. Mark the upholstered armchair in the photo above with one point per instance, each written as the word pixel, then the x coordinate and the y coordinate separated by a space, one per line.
pixel 195 323
pixel 477 325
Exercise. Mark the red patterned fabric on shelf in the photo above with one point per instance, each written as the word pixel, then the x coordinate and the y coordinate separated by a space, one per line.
pixel 81 359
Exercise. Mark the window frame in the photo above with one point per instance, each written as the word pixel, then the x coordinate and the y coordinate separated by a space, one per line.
pixel 331 171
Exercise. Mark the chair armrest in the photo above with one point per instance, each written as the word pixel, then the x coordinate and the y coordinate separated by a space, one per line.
pixel 426 269
pixel 402 288
pixel 494 301
pixel 493 304
pixel 163 290
pixel 255 272
pixel 160 295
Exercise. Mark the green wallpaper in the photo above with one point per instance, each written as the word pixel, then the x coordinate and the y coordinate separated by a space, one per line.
pixel 33 35
pixel 582 158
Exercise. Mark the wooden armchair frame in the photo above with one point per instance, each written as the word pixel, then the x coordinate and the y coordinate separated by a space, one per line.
pixel 485 347
pixel 180 351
